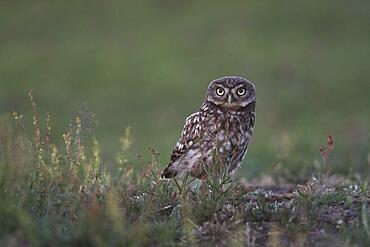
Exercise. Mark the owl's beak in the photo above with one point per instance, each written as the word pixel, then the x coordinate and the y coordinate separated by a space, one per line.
pixel 229 99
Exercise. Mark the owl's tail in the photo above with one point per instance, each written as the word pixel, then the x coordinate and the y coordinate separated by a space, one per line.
pixel 168 172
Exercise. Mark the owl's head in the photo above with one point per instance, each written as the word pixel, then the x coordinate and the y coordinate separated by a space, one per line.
pixel 231 92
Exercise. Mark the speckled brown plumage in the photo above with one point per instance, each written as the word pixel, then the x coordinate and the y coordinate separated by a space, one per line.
pixel 221 128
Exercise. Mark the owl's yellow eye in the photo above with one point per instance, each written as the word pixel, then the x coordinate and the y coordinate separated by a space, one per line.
pixel 220 91
pixel 241 91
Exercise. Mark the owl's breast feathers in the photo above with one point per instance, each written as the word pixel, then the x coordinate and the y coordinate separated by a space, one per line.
pixel 201 133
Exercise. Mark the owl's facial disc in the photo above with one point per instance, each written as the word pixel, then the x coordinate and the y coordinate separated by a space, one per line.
pixel 245 94
pixel 217 94
pixel 231 93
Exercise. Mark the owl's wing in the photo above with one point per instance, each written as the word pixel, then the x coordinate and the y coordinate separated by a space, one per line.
pixel 191 132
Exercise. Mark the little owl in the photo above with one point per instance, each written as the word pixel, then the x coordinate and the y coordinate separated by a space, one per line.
pixel 219 132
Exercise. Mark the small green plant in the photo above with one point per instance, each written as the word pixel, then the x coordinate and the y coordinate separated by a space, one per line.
pixel 55 195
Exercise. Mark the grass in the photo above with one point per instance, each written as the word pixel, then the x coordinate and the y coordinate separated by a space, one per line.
pixel 68 196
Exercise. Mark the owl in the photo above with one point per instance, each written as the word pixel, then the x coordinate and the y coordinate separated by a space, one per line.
pixel 219 132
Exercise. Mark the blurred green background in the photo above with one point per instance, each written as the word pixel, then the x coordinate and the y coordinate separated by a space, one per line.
pixel 147 64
